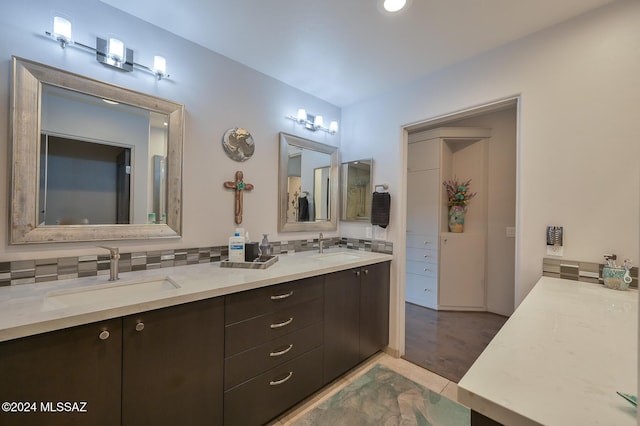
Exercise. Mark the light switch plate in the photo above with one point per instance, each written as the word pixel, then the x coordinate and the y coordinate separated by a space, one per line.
pixel 369 232
pixel 379 233
pixel 554 251
pixel 511 231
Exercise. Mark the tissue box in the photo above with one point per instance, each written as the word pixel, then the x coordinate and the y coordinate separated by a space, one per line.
pixel 616 278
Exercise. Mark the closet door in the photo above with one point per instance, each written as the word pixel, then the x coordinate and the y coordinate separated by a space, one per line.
pixel 423 195
pixel 462 260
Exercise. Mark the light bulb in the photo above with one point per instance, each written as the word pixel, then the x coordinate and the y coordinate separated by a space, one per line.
pixel 318 122
pixel 333 126
pixel 394 5
pixel 302 115
pixel 116 49
pixel 61 29
pixel 160 66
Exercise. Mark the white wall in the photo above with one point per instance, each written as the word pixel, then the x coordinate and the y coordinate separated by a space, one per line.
pixel 218 94
pixel 579 136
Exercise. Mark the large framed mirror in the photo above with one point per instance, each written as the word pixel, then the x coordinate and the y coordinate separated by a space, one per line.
pixel 308 185
pixel 356 191
pixel 91 161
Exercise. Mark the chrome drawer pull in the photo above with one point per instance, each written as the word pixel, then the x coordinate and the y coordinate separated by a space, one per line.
pixel 427 270
pixel 279 382
pixel 282 352
pixel 282 324
pixel 282 296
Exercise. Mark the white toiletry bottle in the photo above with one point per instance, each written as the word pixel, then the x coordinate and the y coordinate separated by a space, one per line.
pixel 236 248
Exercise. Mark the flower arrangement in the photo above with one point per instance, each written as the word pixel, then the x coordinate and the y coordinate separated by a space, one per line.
pixel 458 192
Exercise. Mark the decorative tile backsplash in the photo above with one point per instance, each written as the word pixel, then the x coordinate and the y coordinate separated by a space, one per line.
pixel 579 271
pixel 42 270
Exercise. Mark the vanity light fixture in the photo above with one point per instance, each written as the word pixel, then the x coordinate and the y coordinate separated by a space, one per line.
pixel 313 122
pixel 112 52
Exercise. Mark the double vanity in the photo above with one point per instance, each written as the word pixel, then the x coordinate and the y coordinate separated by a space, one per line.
pixel 190 345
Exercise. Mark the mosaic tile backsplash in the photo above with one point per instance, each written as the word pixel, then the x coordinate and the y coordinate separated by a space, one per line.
pixel 42 270
pixel 579 271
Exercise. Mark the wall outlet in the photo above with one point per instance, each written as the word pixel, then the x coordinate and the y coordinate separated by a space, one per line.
pixel 511 231
pixel 554 251
pixel 379 233
pixel 369 232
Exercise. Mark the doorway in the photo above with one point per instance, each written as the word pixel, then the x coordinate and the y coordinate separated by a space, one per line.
pixel 424 326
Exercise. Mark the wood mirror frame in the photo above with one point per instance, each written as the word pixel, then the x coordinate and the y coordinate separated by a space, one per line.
pixel 28 78
pixel 332 151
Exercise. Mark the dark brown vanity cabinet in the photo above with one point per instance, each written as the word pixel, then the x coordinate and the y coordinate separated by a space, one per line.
pixel 273 349
pixel 172 365
pixel 162 367
pixel 356 317
pixel 374 308
pixel 40 374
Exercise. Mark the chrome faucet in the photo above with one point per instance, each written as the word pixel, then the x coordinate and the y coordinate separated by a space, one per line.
pixel 320 243
pixel 114 257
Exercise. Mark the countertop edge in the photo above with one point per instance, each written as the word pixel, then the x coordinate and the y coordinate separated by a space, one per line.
pixel 60 319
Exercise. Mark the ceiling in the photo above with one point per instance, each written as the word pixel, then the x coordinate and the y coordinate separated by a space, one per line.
pixel 344 51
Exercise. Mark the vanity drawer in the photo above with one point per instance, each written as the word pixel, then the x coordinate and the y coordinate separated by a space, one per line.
pixel 422 241
pixel 428 255
pixel 421 290
pixel 247 364
pixel 422 268
pixel 267 395
pixel 253 303
pixel 256 331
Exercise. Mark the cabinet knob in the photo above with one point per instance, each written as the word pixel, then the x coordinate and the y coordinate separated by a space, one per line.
pixel 279 382
pixel 427 242
pixel 104 335
pixel 140 326
pixel 366 272
pixel 427 270
pixel 357 273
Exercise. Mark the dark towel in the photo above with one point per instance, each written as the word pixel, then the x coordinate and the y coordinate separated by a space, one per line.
pixel 303 209
pixel 380 206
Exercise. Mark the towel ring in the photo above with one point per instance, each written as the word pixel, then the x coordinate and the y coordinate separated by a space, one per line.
pixel 384 187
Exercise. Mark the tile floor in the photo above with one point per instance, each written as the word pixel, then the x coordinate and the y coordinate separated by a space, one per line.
pixel 418 374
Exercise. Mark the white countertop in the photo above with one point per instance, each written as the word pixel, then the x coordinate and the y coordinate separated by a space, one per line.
pixel 560 359
pixel 30 308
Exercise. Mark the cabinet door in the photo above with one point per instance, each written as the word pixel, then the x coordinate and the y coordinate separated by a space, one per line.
pixel 76 365
pixel 462 271
pixel 374 309
pixel 173 365
pixel 423 201
pixel 341 323
pixel 424 155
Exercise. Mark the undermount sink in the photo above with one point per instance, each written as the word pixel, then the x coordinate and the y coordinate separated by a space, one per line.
pixel 109 292
pixel 336 256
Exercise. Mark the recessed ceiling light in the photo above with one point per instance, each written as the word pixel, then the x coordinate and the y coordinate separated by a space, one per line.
pixel 394 5
pixel 110 102
pixel 165 123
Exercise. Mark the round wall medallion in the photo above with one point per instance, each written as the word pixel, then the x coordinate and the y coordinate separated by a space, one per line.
pixel 238 144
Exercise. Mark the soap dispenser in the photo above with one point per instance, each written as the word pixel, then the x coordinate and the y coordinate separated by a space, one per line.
pixel 265 247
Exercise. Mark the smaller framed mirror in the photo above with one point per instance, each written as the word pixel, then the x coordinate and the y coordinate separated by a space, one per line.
pixel 356 191
pixel 308 185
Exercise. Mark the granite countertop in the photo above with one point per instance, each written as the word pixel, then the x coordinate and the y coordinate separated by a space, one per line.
pixel 560 359
pixel 34 308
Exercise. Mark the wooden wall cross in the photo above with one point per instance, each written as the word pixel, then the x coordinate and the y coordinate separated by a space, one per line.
pixel 238 185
